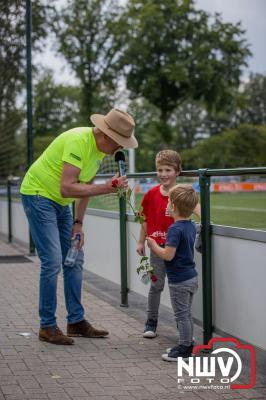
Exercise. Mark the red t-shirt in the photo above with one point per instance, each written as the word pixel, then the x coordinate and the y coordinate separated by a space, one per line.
pixel 156 214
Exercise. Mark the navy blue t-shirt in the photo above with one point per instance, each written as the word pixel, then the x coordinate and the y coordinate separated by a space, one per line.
pixel 181 235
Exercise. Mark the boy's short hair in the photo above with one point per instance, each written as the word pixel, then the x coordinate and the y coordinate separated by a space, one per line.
pixel 184 199
pixel 168 157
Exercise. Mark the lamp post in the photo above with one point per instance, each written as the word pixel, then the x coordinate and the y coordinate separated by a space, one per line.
pixel 29 97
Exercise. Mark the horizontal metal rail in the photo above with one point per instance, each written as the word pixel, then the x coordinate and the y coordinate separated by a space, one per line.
pixel 192 173
pixel 197 172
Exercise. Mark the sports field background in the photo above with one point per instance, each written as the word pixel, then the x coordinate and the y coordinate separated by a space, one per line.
pixel 242 209
pixel 246 210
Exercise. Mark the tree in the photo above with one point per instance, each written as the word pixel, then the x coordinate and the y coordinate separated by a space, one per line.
pixel 10 123
pixel 254 90
pixel 13 44
pixel 244 146
pixel 56 109
pixel 12 68
pixel 146 118
pixel 88 40
pixel 56 106
pixel 189 124
pixel 175 53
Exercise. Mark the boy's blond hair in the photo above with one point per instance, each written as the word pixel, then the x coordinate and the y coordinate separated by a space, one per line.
pixel 168 157
pixel 184 198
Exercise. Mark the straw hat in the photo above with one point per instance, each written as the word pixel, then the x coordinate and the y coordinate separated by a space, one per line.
pixel 118 125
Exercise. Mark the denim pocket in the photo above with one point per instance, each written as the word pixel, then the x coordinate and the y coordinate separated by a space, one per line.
pixel 42 209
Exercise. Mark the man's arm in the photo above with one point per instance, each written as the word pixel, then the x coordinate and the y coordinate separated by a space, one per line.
pixel 80 208
pixel 70 186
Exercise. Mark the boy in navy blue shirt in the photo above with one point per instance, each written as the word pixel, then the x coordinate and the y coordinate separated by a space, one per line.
pixel 178 254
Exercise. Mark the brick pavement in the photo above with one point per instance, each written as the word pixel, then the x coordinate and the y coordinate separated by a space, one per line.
pixel 122 367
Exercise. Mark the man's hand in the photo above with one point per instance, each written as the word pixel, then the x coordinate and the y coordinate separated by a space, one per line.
pixel 117 182
pixel 77 228
pixel 141 248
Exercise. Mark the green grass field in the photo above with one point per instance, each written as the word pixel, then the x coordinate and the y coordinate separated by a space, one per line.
pixel 246 210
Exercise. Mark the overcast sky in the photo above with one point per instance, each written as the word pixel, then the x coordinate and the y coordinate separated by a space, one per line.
pixel 251 13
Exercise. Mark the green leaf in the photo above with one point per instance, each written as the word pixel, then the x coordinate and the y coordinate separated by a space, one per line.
pixel 129 192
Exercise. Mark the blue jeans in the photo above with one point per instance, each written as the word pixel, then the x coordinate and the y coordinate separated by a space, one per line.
pixel 51 228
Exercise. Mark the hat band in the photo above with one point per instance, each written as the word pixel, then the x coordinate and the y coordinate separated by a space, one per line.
pixel 125 134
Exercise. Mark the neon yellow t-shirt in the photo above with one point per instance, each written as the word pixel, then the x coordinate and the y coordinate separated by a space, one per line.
pixel 77 147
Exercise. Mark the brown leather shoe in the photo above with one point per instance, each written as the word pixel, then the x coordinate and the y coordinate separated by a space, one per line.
pixel 54 335
pixel 85 329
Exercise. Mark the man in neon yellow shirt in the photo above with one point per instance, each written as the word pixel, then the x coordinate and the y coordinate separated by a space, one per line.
pixel 61 175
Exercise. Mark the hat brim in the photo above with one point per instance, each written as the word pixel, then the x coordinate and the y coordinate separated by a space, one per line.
pixel 99 122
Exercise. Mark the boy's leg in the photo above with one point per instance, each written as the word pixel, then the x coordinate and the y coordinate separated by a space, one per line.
pixel 156 288
pixel 190 315
pixel 181 295
pixel 154 296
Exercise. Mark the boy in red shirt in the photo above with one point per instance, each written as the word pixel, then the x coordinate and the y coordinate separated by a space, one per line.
pixel 157 222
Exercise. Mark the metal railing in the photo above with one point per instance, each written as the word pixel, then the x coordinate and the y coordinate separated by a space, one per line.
pixel 204 176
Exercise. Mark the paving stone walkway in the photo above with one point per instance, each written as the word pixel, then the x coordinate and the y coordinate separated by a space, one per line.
pixel 123 366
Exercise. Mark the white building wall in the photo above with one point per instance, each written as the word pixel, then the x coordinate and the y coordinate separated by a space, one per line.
pixel 20 229
pixel 3 217
pixel 239 276
pixel 101 250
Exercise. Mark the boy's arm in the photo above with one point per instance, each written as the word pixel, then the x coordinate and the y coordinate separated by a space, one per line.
pixel 166 253
pixel 142 237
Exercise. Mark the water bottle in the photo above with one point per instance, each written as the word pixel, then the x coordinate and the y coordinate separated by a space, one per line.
pixel 73 252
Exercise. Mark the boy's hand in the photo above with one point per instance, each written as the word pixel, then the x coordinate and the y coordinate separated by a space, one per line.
pixel 151 242
pixel 141 248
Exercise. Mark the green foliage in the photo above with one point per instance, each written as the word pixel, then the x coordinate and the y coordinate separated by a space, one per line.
pixel 181 66
pixel 9 155
pixel 189 123
pixel 175 53
pixel 244 146
pixel 12 71
pixel 13 44
pixel 247 107
pixel 137 212
pixel 144 266
pixel 254 111
pixel 56 107
pixel 148 133
pixel 88 39
pixel 139 216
